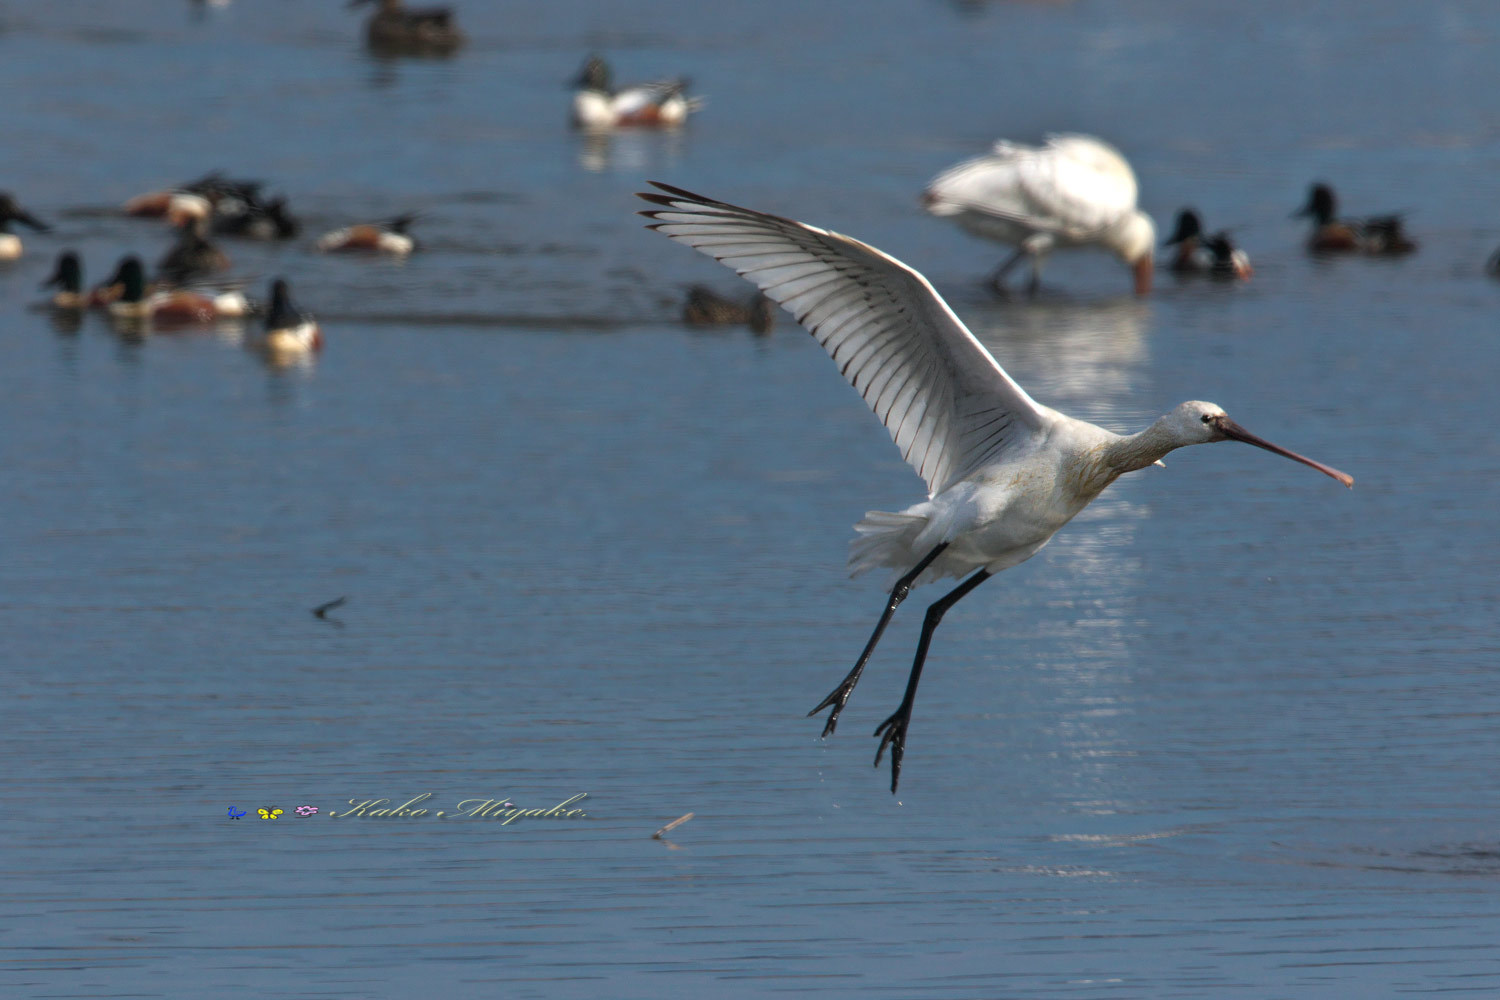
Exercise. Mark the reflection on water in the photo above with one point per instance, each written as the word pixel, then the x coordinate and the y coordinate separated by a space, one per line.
pixel 66 321
pixel 629 150
pixel 1087 360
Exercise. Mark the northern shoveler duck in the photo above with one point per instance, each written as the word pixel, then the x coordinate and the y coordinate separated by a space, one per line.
pixel 661 103
pixel 378 237
pixel 10 243
pixel 1228 261
pixel 205 197
pixel 1200 253
pixel 1191 256
pixel 398 30
pixel 1074 191
pixel 111 288
pixel 1379 234
pixel 257 220
pixel 171 308
pixel 192 256
pixel 290 332
pixel 705 307
pixel 67 278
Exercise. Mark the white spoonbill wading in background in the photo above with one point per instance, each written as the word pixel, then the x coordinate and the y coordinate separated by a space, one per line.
pixel 1003 472
pixel 1075 191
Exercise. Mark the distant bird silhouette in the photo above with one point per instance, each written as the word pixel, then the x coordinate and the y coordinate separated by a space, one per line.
pixel 67 278
pixel 597 105
pixel 1226 260
pixel 193 256
pixel 291 333
pixel 1190 257
pixel 268 220
pixel 212 194
pixel 705 307
pixel 10 243
pixel 396 29
pixel 1378 234
pixel 388 237
pixel 170 308
pixel 1199 253
pixel 321 611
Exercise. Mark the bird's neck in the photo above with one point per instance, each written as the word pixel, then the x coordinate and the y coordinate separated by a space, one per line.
pixel 1136 451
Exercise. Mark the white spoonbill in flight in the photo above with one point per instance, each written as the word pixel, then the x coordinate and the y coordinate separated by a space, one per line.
pixel 1074 191
pixel 1003 472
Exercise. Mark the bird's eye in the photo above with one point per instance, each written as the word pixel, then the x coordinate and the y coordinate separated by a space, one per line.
pixel 1205 418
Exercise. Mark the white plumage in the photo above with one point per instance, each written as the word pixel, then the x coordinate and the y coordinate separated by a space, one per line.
pixel 1074 191
pixel 598 105
pixel 1003 472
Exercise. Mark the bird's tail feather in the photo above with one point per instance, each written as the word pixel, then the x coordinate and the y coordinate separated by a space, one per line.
pixel 884 539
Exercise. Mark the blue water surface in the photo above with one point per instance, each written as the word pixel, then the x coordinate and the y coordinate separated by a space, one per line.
pixel 1232 734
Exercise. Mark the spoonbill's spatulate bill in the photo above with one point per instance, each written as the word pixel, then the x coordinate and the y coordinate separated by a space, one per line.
pixel 1073 191
pixel 1003 472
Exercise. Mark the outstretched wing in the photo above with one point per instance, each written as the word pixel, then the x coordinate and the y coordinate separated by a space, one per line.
pixel 948 405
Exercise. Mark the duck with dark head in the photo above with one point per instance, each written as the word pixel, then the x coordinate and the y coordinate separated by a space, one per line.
pixel 1381 235
pixel 169 309
pixel 67 278
pixel 290 333
pixel 395 29
pixel 1200 253
pixel 192 256
pixel 10 243
pixel 597 105
pixel 389 237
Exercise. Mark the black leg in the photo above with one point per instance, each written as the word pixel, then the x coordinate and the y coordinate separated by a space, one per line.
pixel 1036 276
pixel 839 696
pixel 894 728
pixel 997 280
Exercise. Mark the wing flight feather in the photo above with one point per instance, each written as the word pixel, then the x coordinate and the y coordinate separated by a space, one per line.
pixel 948 405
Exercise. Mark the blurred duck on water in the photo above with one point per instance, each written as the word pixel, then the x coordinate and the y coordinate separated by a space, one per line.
pixel 172 308
pixel 10 243
pixel 659 104
pixel 1191 256
pixel 290 333
pixel 209 195
pixel 1074 191
pixel 67 278
pixel 1378 234
pixel 1228 261
pixel 192 256
pixel 1199 253
pixel 705 307
pixel 395 29
pixel 256 220
pixel 388 237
